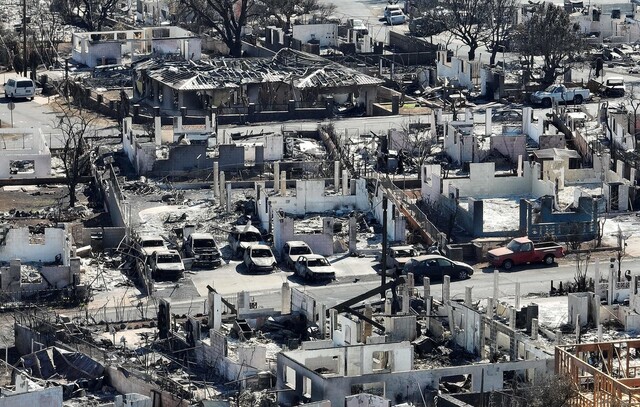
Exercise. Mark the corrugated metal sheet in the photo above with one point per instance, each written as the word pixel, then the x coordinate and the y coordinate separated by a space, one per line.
pixel 302 69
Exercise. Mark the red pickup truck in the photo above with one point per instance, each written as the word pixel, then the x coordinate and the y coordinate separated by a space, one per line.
pixel 522 250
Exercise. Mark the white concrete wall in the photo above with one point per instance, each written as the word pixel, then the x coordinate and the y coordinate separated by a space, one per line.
pixel 43 397
pixel 126 382
pixel 35 149
pixel 91 53
pixel 142 156
pixel 366 400
pixel 137 43
pixel 483 183
pixel 532 125
pixel 347 332
pixel 396 222
pixel 359 358
pixel 310 197
pixel 327 34
pixel 222 364
pixel 320 242
pixel 273 145
pixel 18 245
pixel 466 73
pixel 303 303
pixel 578 306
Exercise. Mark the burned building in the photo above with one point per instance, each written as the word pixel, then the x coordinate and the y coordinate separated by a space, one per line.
pixel 288 81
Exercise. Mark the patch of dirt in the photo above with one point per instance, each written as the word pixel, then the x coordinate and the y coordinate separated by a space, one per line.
pixel 30 198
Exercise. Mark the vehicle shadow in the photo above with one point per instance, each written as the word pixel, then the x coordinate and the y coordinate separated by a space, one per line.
pixel 533 266
pixel 242 268
pixel 5 100
pixel 311 283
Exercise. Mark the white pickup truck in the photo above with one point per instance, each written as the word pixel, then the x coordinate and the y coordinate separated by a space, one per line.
pixel 560 94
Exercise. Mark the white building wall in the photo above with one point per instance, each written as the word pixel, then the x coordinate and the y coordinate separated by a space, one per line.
pixel 532 125
pixel 18 245
pixel 310 197
pixel 36 150
pixel 42 397
pixel 327 34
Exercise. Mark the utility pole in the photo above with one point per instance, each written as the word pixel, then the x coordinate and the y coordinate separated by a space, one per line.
pixel 24 37
pixel 384 245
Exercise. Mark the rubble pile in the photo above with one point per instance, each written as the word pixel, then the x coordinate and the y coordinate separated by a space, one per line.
pixel 304 148
pixel 30 274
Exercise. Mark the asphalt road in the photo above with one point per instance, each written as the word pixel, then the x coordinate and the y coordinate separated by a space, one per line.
pixel 39 113
pixel 355 276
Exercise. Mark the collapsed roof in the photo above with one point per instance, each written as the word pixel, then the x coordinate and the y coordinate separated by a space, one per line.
pixel 300 69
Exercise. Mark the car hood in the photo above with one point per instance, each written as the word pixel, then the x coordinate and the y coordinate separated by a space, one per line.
pixel 463 265
pixel 322 270
pixel 205 250
pixel 540 93
pixel 148 251
pixel 500 251
pixel 263 261
pixel 170 266
pixel 295 257
pixel 402 260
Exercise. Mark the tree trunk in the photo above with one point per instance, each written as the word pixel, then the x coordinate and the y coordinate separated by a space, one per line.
pixel 472 52
pixel 549 76
pixel 235 49
pixel 494 53
pixel 72 196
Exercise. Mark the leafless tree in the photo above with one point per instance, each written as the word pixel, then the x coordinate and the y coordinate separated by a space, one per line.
pixel 634 102
pixel 76 125
pixel 582 268
pixel 502 17
pixel 546 391
pixel 284 10
pixel 573 237
pixel 621 250
pixel 90 14
pixel 550 34
pixel 600 233
pixel 227 18
pixel 468 20
pixel 419 144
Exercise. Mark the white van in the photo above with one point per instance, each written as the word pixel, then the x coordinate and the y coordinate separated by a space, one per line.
pixel 20 88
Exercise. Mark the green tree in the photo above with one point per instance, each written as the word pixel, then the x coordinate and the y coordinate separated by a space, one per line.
pixel 549 35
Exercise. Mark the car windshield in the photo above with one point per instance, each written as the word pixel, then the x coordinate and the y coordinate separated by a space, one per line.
pixel 550 88
pixel 514 246
pixel 261 253
pixel 204 243
pixel 152 243
pixel 297 250
pixel 250 237
pixel 357 23
pixel 168 258
pixel 318 263
pixel 25 84
pixel 403 253
pixel 396 13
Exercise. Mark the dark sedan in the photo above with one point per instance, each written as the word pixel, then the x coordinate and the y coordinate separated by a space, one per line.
pixel 436 267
